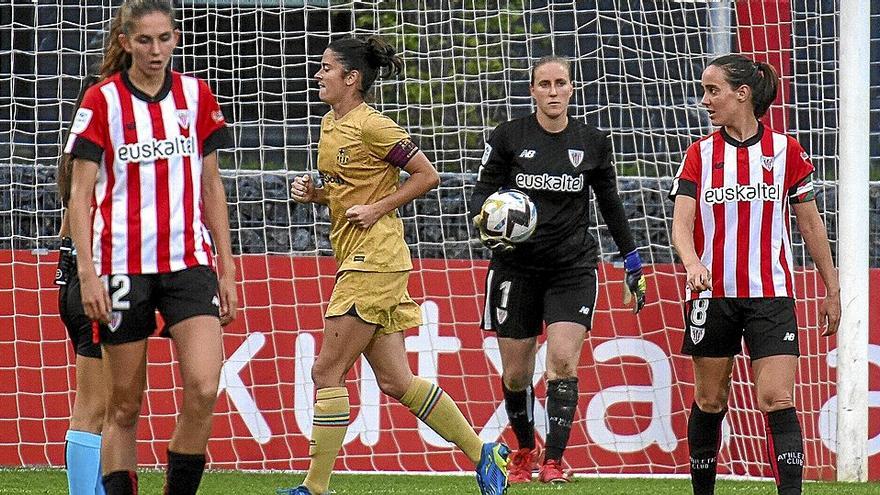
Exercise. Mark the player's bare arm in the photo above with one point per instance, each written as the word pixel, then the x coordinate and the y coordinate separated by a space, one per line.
pixel 217 220
pixel 815 236
pixel 698 276
pixel 422 178
pixel 95 298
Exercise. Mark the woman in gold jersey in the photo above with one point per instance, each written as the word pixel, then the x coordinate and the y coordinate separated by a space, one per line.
pixel 360 155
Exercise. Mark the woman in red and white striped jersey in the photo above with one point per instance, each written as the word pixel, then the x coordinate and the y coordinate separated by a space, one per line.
pixel 145 189
pixel 734 195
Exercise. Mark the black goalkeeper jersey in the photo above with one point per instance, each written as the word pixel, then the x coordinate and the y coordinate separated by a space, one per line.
pixel 557 171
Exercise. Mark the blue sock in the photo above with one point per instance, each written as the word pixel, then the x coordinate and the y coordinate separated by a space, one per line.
pixel 83 457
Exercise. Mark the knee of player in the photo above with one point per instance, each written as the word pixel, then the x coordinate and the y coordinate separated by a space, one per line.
pixel 711 403
pixel 326 375
pixel 562 365
pixel 516 381
pixel 394 386
pixel 769 401
pixel 202 395
pixel 561 371
pixel 124 414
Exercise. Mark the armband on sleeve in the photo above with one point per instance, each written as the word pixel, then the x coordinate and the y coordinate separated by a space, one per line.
pixel 402 153
pixel 803 191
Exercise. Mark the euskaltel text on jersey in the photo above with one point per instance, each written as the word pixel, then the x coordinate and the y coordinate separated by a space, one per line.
pixel 557 171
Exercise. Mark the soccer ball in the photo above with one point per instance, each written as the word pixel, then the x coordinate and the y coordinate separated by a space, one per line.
pixel 510 215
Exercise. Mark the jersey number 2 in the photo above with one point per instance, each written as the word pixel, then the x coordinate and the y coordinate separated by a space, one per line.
pixel 121 286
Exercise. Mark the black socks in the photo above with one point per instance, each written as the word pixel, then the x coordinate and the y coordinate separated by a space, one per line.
pixel 184 473
pixel 520 408
pixel 704 440
pixel 785 449
pixel 562 399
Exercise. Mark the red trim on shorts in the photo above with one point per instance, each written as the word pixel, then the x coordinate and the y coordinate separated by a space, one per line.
pixel 133 477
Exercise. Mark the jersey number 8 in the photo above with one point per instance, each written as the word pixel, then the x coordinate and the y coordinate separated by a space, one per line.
pixel 698 312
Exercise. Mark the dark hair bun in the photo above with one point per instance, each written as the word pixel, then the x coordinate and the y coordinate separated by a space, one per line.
pixel 372 57
pixel 760 76
pixel 381 55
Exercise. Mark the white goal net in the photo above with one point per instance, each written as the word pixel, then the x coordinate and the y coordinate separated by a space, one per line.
pixel 636 65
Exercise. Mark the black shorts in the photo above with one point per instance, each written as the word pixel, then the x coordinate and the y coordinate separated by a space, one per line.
pixel 79 326
pixel 518 303
pixel 716 327
pixel 135 299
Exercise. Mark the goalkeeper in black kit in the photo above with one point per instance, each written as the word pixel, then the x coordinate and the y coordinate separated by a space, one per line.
pixel 551 277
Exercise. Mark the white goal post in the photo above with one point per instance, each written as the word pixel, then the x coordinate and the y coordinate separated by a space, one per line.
pixel 853 341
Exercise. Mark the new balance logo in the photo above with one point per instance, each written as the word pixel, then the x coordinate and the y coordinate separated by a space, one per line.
pixel 215 301
pixel 789 337
pixel 527 154
pixel 584 310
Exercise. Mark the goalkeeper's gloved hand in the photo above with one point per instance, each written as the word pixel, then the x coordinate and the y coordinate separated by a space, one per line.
pixel 66 262
pixel 634 283
pixel 495 243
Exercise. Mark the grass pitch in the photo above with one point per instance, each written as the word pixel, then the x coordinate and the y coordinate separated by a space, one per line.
pixel 54 482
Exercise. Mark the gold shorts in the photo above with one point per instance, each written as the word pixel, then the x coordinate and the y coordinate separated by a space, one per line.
pixel 377 297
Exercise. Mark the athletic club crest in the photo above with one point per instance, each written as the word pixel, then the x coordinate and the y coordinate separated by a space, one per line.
pixel 500 315
pixel 697 334
pixel 183 118
pixel 115 320
pixel 767 162
pixel 486 154
pixel 575 157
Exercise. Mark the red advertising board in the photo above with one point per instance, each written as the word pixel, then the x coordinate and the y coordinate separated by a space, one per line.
pixel 636 388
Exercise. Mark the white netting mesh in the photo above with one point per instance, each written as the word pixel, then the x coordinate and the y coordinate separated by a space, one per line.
pixel 637 66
